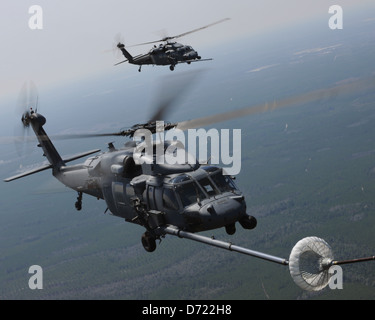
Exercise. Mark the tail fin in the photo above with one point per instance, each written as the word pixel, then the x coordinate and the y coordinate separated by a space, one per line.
pixel 55 161
pixel 37 121
pixel 127 55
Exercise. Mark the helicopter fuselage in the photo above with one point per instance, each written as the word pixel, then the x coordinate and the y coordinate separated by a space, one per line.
pixel 194 198
pixel 170 53
pixel 137 186
pixel 167 53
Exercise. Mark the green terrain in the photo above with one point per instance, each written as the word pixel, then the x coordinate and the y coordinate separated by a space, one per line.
pixel 307 170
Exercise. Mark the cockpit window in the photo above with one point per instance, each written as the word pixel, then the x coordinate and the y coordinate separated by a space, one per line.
pixel 207 186
pixel 190 193
pixel 224 183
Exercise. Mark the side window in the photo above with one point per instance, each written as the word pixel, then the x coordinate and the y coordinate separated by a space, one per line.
pixel 224 183
pixel 169 199
pixel 190 193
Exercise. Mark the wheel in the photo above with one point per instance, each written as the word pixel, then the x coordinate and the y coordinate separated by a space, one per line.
pixel 78 206
pixel 171 67
pixel 248 222
pixel 230 229
pixel 148 242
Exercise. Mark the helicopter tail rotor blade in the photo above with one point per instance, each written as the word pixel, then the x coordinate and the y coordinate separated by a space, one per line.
pixel 117 40
pixel 27 101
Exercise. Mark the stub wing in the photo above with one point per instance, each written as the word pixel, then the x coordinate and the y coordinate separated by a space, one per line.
pixel 29 172
pixel 49 166
pixel 194 60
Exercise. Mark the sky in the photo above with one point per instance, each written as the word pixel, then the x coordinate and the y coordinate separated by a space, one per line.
pixel 71 46
pixel 76 34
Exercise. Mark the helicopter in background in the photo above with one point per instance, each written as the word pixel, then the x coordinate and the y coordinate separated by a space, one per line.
pixel 179 199
pixel 166 53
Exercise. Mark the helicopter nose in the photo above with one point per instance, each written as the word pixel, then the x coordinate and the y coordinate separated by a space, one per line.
pixel 191 55
pixel 223 211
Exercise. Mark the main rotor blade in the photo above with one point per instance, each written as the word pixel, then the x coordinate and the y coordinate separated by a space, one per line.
pixel 344 88
pixel 347 87
pixel 144 43
pixel 179 35
pixel 172 88
pixel 85 135
pixel 198 29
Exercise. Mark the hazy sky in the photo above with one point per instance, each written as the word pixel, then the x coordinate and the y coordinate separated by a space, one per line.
pixel 75 33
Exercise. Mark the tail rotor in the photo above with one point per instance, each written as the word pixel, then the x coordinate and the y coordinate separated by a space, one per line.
pixel 27 105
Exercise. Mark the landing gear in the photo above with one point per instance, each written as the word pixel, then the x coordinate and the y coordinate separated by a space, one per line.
pixel 140 67
pixel 171 67
pixel 248 222
pixel 230 229
pixel 78 203
pixel 148 242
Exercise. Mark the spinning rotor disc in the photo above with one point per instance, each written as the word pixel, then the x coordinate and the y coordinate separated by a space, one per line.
pixel 309 263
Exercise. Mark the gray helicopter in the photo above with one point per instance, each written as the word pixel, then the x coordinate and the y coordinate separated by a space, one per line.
pixel 189 197
pixel 179 199
pixel 165 54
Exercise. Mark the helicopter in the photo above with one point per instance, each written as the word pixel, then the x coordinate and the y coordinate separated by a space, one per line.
pixel 166 53
pixel 179 199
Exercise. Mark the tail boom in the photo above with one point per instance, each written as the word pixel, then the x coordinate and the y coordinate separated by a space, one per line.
pixel 37 121
pixel 56 163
